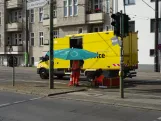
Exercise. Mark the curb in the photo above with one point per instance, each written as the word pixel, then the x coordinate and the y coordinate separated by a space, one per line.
pixel 113 104
pixel 66 92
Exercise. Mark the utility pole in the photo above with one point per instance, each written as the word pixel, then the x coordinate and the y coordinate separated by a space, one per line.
pixel 119 31
pixel 156 59
pixel 51 70
pixel 27 36
pixel 121 56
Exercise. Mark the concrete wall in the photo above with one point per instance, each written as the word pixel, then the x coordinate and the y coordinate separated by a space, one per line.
pixel 36 27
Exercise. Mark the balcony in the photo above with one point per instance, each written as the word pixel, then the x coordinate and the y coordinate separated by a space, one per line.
pixel 17 49
pixel 46 22
pixel 95 17
pixel 12 27
pixel 13 4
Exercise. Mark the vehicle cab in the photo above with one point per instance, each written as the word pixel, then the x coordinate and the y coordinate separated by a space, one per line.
pixel 43 69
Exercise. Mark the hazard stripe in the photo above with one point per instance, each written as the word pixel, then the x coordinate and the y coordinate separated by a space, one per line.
pixel 119 65
pixel 116 64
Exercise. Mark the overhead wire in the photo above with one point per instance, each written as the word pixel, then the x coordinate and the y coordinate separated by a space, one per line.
pixel 107 43
pixel 139 17
pixel 148 5
pixel 136 16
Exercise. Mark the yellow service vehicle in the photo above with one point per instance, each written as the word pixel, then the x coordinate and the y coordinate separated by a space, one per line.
pixel 108 54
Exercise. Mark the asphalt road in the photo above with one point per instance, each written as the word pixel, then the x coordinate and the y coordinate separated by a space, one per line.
pixel 21 74
pixel 147 83
pixel 18 107
pixel 30 74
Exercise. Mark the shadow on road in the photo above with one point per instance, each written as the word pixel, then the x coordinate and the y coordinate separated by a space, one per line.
pixel 143 81
pixel 148 90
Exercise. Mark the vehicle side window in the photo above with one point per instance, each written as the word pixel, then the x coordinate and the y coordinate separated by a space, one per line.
pixel 46 58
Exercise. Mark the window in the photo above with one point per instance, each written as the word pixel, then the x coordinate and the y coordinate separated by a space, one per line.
pixel 65 8
pixel 9 41
pixel 70 8
pixel 107 6
pixel 17 16
pixel 129 2
pixel 32 15
pixel 101 29
pixel 55 11
pixel 96 4
pixel 0 40
pixel 40 58
pixel 17 39
pixel 80 30
pixel 32 39
pixel 107 28
pixel 152 28
pixel 96 29
pixel 0 18
pixel 10 17
pixel 40 14
pixel 56 33
pixel 132 26
pixel 1 60
pixel 41 38
pixel 75 7
pixel 32 61
pixel 151 52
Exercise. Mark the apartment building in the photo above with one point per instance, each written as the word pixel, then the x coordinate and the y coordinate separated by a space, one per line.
pixel 11 30
pixel 70 17
pixel 142 14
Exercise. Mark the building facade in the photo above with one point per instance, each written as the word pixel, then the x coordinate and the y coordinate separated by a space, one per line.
pixel 70 17
pixel 142 14
pixel 12 30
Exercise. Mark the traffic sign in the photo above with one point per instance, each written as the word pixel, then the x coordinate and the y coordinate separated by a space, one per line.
pixel 12 61
pixel 31 4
